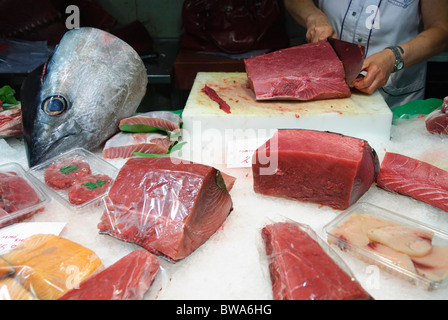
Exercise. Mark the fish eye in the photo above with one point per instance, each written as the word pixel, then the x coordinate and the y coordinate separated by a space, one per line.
pixel 54 105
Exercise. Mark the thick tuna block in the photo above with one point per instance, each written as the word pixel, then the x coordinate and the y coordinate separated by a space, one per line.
pixel 310 71
pixel 127 279
pixel 165 206
pixel 414 178
pixel 301 269
pixel 314 166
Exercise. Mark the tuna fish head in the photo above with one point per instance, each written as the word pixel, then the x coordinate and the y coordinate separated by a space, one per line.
pixel 92 81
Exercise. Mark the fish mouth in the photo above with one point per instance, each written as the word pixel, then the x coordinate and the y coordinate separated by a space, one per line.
pixel 47 146
pixel 37 154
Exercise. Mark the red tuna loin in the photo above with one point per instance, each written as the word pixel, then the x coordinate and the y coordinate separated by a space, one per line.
pixel 315 166
pixel 301 270
pixel 167 208
pixel 414 178
pixel 310 71
pixel 127 279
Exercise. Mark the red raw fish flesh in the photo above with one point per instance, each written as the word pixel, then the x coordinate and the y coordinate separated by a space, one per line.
pixel 15 194
pixel 124 144
pixel 212 94
pixel 11 121
pixel 164 120
pixel 300 269
pixel 62 174
pixel 166 206
pixel 88 188
pixel 315 166
pixel 417 179
pixel 310 71
pixel 437 121
pixel 127 279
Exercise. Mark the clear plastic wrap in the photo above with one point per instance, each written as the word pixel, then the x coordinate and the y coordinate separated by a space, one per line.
pixel 402 246
pixel 127 279
pixel 166 206
pixel 45 267
pixel 20 196
pixel 304 267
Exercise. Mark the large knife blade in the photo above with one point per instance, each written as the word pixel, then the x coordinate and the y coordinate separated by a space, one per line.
pixel 351 56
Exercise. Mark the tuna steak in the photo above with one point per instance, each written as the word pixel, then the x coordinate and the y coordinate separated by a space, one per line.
pixel 315 166
pixel 127 279
pixel 300 268
pixel 167 207
pixel 151 121
pixel 63 174
pixel 310 71
pixel 417 179
pixel 88 188
pixel 124 144
pixel 92 81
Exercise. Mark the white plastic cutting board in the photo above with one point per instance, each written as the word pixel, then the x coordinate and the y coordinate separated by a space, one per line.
pixel 362 116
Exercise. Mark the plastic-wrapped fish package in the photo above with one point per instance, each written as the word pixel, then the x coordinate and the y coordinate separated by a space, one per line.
pixel 49 267
pixel 404 247
pixel 303 267
pixel 127 279
pixel 166 206
pixel 20 196
pixel 45 267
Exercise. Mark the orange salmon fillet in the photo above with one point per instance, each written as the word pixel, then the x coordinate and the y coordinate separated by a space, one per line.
pixel 49 266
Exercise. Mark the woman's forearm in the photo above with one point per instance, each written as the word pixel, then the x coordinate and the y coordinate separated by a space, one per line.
pixel 434 38
pixel 312 18
pixel 424 46
pixel 302 10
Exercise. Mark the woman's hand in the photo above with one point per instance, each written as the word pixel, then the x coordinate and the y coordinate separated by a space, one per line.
pixel 319 28
pixel 379 67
